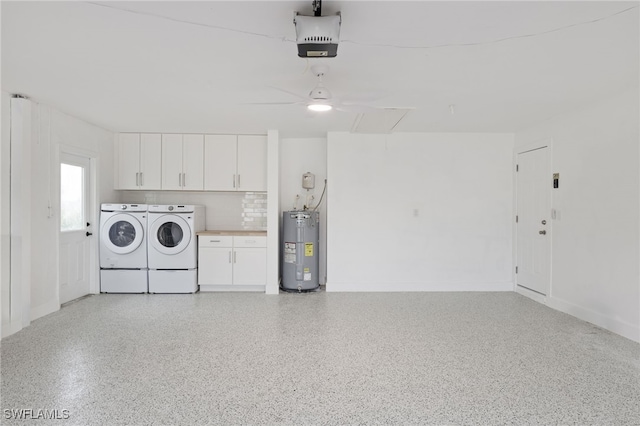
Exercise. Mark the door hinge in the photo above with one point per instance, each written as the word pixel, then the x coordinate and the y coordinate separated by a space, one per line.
pixel 517 168
pixel 516 218
pixel 516 269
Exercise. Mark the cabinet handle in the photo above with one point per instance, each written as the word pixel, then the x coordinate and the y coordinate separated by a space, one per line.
pixel 214 241
pixel 179 179
pixel 141 179
pixel 234 181
pixel 229 257
pixel 234 257
pixel 137 179
pixel 184 180
pixel 238 181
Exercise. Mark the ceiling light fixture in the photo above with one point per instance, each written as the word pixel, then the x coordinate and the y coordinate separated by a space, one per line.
pixel 320 96
pixel 319 107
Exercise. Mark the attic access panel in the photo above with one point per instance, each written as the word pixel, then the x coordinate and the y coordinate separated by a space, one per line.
pixel 384 120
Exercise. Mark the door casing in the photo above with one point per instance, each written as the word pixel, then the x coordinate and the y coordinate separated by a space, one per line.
pixel 91 215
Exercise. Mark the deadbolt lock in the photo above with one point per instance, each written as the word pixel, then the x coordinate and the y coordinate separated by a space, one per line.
pixel 544 222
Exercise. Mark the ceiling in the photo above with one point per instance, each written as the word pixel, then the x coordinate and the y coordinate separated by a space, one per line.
pixel 197 67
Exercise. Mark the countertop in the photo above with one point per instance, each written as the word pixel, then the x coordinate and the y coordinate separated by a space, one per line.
pixel 232 233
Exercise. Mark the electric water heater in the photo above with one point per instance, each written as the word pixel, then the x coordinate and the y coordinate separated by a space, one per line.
pixel 300 261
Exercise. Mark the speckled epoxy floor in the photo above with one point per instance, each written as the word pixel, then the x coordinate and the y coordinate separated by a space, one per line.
pixel 319 358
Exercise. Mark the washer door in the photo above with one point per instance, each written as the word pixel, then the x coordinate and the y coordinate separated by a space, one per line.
pixel 170 234
pixel 122 233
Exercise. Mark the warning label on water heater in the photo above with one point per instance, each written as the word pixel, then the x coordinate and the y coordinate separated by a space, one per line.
pixel 307 274
pixel 290 252
pixel 308 249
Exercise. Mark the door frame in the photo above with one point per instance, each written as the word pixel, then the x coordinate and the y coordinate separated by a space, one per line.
pixel 521 149
pixel 91 216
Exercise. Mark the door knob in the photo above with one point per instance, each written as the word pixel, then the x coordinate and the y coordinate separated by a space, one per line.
pixel 543 232
pixel 89 233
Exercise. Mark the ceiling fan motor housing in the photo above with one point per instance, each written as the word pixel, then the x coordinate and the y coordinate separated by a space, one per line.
pixel 317 36
pixel 320 93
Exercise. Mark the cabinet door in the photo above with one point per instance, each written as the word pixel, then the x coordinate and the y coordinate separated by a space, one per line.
pixel 128 161
pixel 250 266
pixel 150 161
pixel 220 153
pixel 252 163
pixel 214 266
pixel 171 161
pixel 192 162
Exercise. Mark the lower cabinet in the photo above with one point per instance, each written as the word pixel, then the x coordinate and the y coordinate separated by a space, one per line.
pixel 232 263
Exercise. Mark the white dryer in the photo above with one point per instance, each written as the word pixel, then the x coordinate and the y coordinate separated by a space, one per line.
pixel 173 247
pixel 123 248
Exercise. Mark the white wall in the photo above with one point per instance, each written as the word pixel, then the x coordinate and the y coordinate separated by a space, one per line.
pixel 20 214
pixel 273 206
pixel 298 156
pixel 595 243
pixel 50 132
pixel 419 212
pixel 44 294
pixel 5 206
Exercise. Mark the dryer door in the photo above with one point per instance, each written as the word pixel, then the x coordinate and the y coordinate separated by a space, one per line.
pixel 169 234
pixel 122 233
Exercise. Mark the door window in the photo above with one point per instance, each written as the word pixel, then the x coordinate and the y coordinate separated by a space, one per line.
pixel 72 200
pixel 170 234
pixel 122 233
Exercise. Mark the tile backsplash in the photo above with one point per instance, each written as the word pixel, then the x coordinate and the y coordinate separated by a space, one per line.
pixel 254 211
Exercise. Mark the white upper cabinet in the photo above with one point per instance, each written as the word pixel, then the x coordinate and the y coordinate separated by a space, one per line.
pixel 220 157
pixel 182 162
pixel 128 154
pixel 252 163
pixel 138 161
pixel 235 163
pixel 191 162
pixel 150 163
pixel 172 162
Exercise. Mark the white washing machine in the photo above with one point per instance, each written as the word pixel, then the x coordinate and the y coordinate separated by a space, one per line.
pixel 123 248
pixel 173 247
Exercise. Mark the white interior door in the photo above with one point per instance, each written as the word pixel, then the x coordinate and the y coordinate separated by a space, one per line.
pixel 75 227
pixel 533 226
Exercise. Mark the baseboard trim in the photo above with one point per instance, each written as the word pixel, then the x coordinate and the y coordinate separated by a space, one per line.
pixel 231 288
pixel 46 309
pixel 537 297
pixel 625 329
pixel 418 286
pixel 11 328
